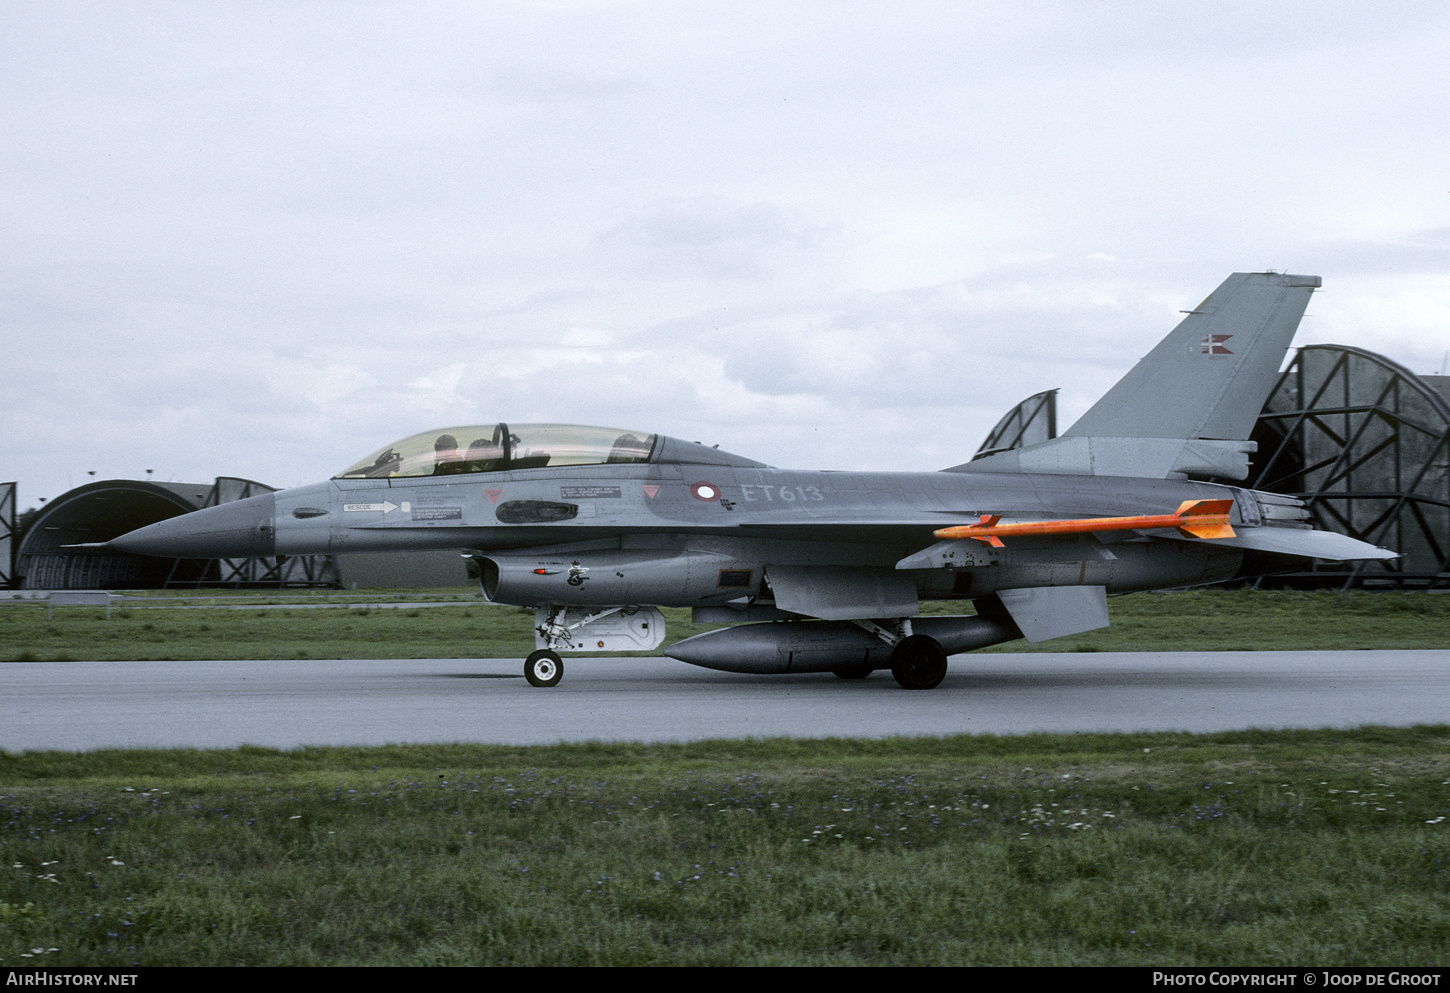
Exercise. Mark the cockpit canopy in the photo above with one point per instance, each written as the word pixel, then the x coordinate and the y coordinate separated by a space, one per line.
pixel 497 447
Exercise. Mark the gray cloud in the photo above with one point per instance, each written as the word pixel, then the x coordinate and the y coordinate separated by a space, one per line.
pixel 263 239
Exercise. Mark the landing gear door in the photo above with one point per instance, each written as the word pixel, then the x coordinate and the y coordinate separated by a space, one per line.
pixel 599 629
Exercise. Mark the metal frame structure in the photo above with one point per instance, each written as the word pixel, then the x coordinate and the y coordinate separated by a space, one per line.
pixel 1366 444
pixel 7 536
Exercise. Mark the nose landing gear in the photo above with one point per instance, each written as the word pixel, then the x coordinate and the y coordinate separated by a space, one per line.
pixel 543 668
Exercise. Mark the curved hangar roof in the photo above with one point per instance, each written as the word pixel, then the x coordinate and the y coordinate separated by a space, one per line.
pixel 1364 442
pixel 98 512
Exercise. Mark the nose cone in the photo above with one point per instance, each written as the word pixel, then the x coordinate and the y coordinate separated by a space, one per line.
pixel 234 530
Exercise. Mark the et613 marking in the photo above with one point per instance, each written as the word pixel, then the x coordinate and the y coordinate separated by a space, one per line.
pixel 769 493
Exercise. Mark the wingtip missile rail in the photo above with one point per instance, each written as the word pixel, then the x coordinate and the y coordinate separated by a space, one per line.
pixel 1199 518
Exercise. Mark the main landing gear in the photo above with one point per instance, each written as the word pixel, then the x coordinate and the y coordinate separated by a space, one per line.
pixel 918 662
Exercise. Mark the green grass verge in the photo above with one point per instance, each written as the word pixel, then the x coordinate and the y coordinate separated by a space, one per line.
pixel 1253 848
pixel 1201 620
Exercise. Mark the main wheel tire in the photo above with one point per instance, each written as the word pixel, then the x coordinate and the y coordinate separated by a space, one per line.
pixel 858 671
pixel 919 663
pixel 543 668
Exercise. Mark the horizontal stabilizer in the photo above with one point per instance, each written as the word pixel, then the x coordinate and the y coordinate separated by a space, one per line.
pixel 1199 518
pixel 1304 542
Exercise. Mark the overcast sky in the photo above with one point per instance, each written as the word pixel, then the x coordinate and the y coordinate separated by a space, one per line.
pixel 263 239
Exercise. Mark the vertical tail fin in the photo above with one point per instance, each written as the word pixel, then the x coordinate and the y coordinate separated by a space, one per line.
pixel 1210 377
pixel 1188 407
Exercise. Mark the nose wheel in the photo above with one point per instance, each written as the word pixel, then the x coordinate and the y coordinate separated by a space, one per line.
pixel 543 668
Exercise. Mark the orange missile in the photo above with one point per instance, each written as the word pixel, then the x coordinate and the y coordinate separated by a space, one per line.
pixel 1199 518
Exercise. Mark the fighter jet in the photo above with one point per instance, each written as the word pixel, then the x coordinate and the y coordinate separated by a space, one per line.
pixel 596 528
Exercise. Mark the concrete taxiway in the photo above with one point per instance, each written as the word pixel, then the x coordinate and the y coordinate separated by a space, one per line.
pixel 80 706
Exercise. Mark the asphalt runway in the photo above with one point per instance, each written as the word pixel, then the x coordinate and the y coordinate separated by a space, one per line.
pixel 80 706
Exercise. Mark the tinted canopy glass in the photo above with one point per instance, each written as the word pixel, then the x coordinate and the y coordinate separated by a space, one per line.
pixel 495 447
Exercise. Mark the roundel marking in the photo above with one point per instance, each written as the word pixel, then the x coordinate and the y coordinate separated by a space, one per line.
pixel 705 491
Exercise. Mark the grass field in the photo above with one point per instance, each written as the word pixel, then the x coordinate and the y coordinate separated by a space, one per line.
pixel 215 627
pixel 1268 848
pixel 1253 848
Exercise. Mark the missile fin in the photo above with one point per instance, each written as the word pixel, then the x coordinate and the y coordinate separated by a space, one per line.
pixel 1206 518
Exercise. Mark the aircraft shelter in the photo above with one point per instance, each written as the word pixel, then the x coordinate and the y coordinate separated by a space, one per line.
pixel 7 535
pixel 1366 444
pixel 100 511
